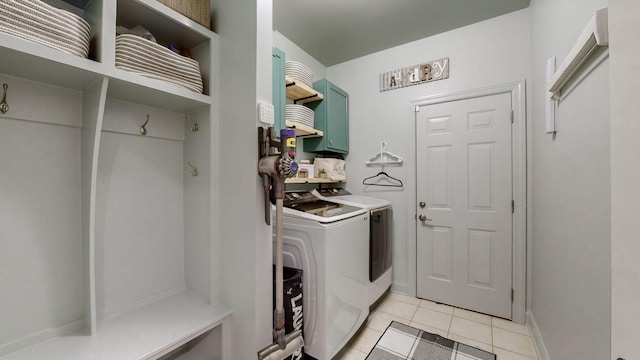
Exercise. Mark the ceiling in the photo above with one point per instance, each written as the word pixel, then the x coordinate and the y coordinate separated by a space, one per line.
pixel 335 31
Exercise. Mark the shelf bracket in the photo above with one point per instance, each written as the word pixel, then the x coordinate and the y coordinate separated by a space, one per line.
pixel 305 98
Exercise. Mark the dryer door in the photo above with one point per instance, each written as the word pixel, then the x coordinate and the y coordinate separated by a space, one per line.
pixel 379 242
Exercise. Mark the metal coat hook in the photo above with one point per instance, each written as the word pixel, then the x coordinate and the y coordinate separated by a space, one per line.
pixel 195 126
pixel 4 107
pixel 194 171
pixel 143 129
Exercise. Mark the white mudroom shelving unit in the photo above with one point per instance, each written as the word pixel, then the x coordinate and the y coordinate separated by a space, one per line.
pixel 108 238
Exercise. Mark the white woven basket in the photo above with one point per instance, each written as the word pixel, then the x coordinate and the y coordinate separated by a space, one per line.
pixel 39 22
pixel 144 57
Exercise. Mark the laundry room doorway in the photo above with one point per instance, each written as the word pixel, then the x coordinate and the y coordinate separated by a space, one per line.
pixel 468 252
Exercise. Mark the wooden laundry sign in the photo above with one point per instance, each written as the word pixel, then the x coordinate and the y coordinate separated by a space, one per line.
pixel 414 75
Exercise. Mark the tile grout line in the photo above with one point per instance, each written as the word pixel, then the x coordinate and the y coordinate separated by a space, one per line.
pixel 492 347
pixel 452 315
pixel 517 353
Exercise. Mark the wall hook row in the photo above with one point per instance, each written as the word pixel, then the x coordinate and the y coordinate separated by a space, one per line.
pixel 143 128
pixel 194 170
pixel 4 107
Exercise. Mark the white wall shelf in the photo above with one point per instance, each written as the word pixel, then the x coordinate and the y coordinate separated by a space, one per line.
pixel 594 35
pixel 132 87
pixel 37 62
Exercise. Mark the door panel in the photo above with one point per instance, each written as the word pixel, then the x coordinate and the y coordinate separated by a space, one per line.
pixel 463 155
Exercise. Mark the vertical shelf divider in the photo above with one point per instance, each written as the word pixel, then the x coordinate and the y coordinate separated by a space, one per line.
pixel 106 34
pixel 93 105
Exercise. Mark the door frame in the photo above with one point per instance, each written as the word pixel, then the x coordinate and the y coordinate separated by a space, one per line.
pixel 519 177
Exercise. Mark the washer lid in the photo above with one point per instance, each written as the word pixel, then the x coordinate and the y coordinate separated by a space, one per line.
pixel 304 204
pixel 367 202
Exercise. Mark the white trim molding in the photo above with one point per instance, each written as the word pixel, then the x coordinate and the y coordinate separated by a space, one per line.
pixel 594 35
pixel 537 337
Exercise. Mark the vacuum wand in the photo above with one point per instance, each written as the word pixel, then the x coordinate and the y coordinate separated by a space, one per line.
pixel 275 169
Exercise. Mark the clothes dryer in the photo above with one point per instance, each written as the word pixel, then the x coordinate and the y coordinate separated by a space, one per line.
pixel 329 241
pixel 380 236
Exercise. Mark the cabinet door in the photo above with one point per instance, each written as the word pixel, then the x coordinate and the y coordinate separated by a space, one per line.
pixel 278 96
pixel 337 123
pixel 331 117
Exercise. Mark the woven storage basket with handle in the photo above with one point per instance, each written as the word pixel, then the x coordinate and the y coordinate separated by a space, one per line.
pixel 196 10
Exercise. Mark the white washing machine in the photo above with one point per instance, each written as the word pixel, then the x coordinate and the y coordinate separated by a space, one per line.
pixel 330 243
pixel 380 236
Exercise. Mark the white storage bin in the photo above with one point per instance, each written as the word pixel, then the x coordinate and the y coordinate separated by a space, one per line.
pixel 144 57
pixel 39 22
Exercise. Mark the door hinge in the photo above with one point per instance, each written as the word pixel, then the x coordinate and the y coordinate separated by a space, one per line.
pixel 416 109
pixel 513 294
pixel 513 206
pixel 512 117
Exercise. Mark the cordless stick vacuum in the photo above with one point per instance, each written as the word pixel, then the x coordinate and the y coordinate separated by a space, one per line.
pixel 275 167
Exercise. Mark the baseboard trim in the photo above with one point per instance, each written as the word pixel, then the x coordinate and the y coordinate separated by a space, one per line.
pixel 400 288
pixel 537 337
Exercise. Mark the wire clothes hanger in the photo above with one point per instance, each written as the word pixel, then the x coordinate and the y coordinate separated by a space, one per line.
pixel 393 182
pixel 381 159
pixel 384 157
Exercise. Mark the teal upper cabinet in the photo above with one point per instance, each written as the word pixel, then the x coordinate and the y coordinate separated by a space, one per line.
pixel 331 117
pixel 278 96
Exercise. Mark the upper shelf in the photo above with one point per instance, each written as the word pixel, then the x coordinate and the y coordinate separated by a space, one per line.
pixel 301 93
pixel 303 130
pixel 155 15
pixel 37 62
pixel 33 61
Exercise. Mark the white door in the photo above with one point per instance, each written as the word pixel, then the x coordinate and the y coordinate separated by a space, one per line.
pixel 464 203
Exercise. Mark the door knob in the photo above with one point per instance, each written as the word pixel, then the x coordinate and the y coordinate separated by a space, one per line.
pixel 422 204
pixel 423 218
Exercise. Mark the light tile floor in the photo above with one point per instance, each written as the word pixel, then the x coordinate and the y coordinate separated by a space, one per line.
pixel 506 339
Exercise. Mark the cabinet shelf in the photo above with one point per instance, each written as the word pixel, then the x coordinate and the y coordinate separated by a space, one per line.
pixel 29 60
pixel 128 86
pixel 21 58
pixel 303 130
pixel 301 93
pixel 33 61
pixel 155 16
pixel 145 333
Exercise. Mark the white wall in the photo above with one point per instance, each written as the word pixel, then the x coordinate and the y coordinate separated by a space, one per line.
pixel 570 243
pixel 293 52
pixel 245 241
pixel 40 211
pixel 493 52
pixel 625 177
